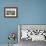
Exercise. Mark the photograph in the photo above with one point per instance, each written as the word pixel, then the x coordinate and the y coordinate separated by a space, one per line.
pixel 32 32
pixel 10 12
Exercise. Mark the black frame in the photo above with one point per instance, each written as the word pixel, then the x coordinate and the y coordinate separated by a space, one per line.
pixel 11 16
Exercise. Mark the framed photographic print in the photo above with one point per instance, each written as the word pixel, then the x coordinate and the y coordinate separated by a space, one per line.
pixel 10 12
pixel 33 32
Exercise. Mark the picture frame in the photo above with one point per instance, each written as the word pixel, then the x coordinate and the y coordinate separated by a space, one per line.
pixel 10 12
pixel 41 28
